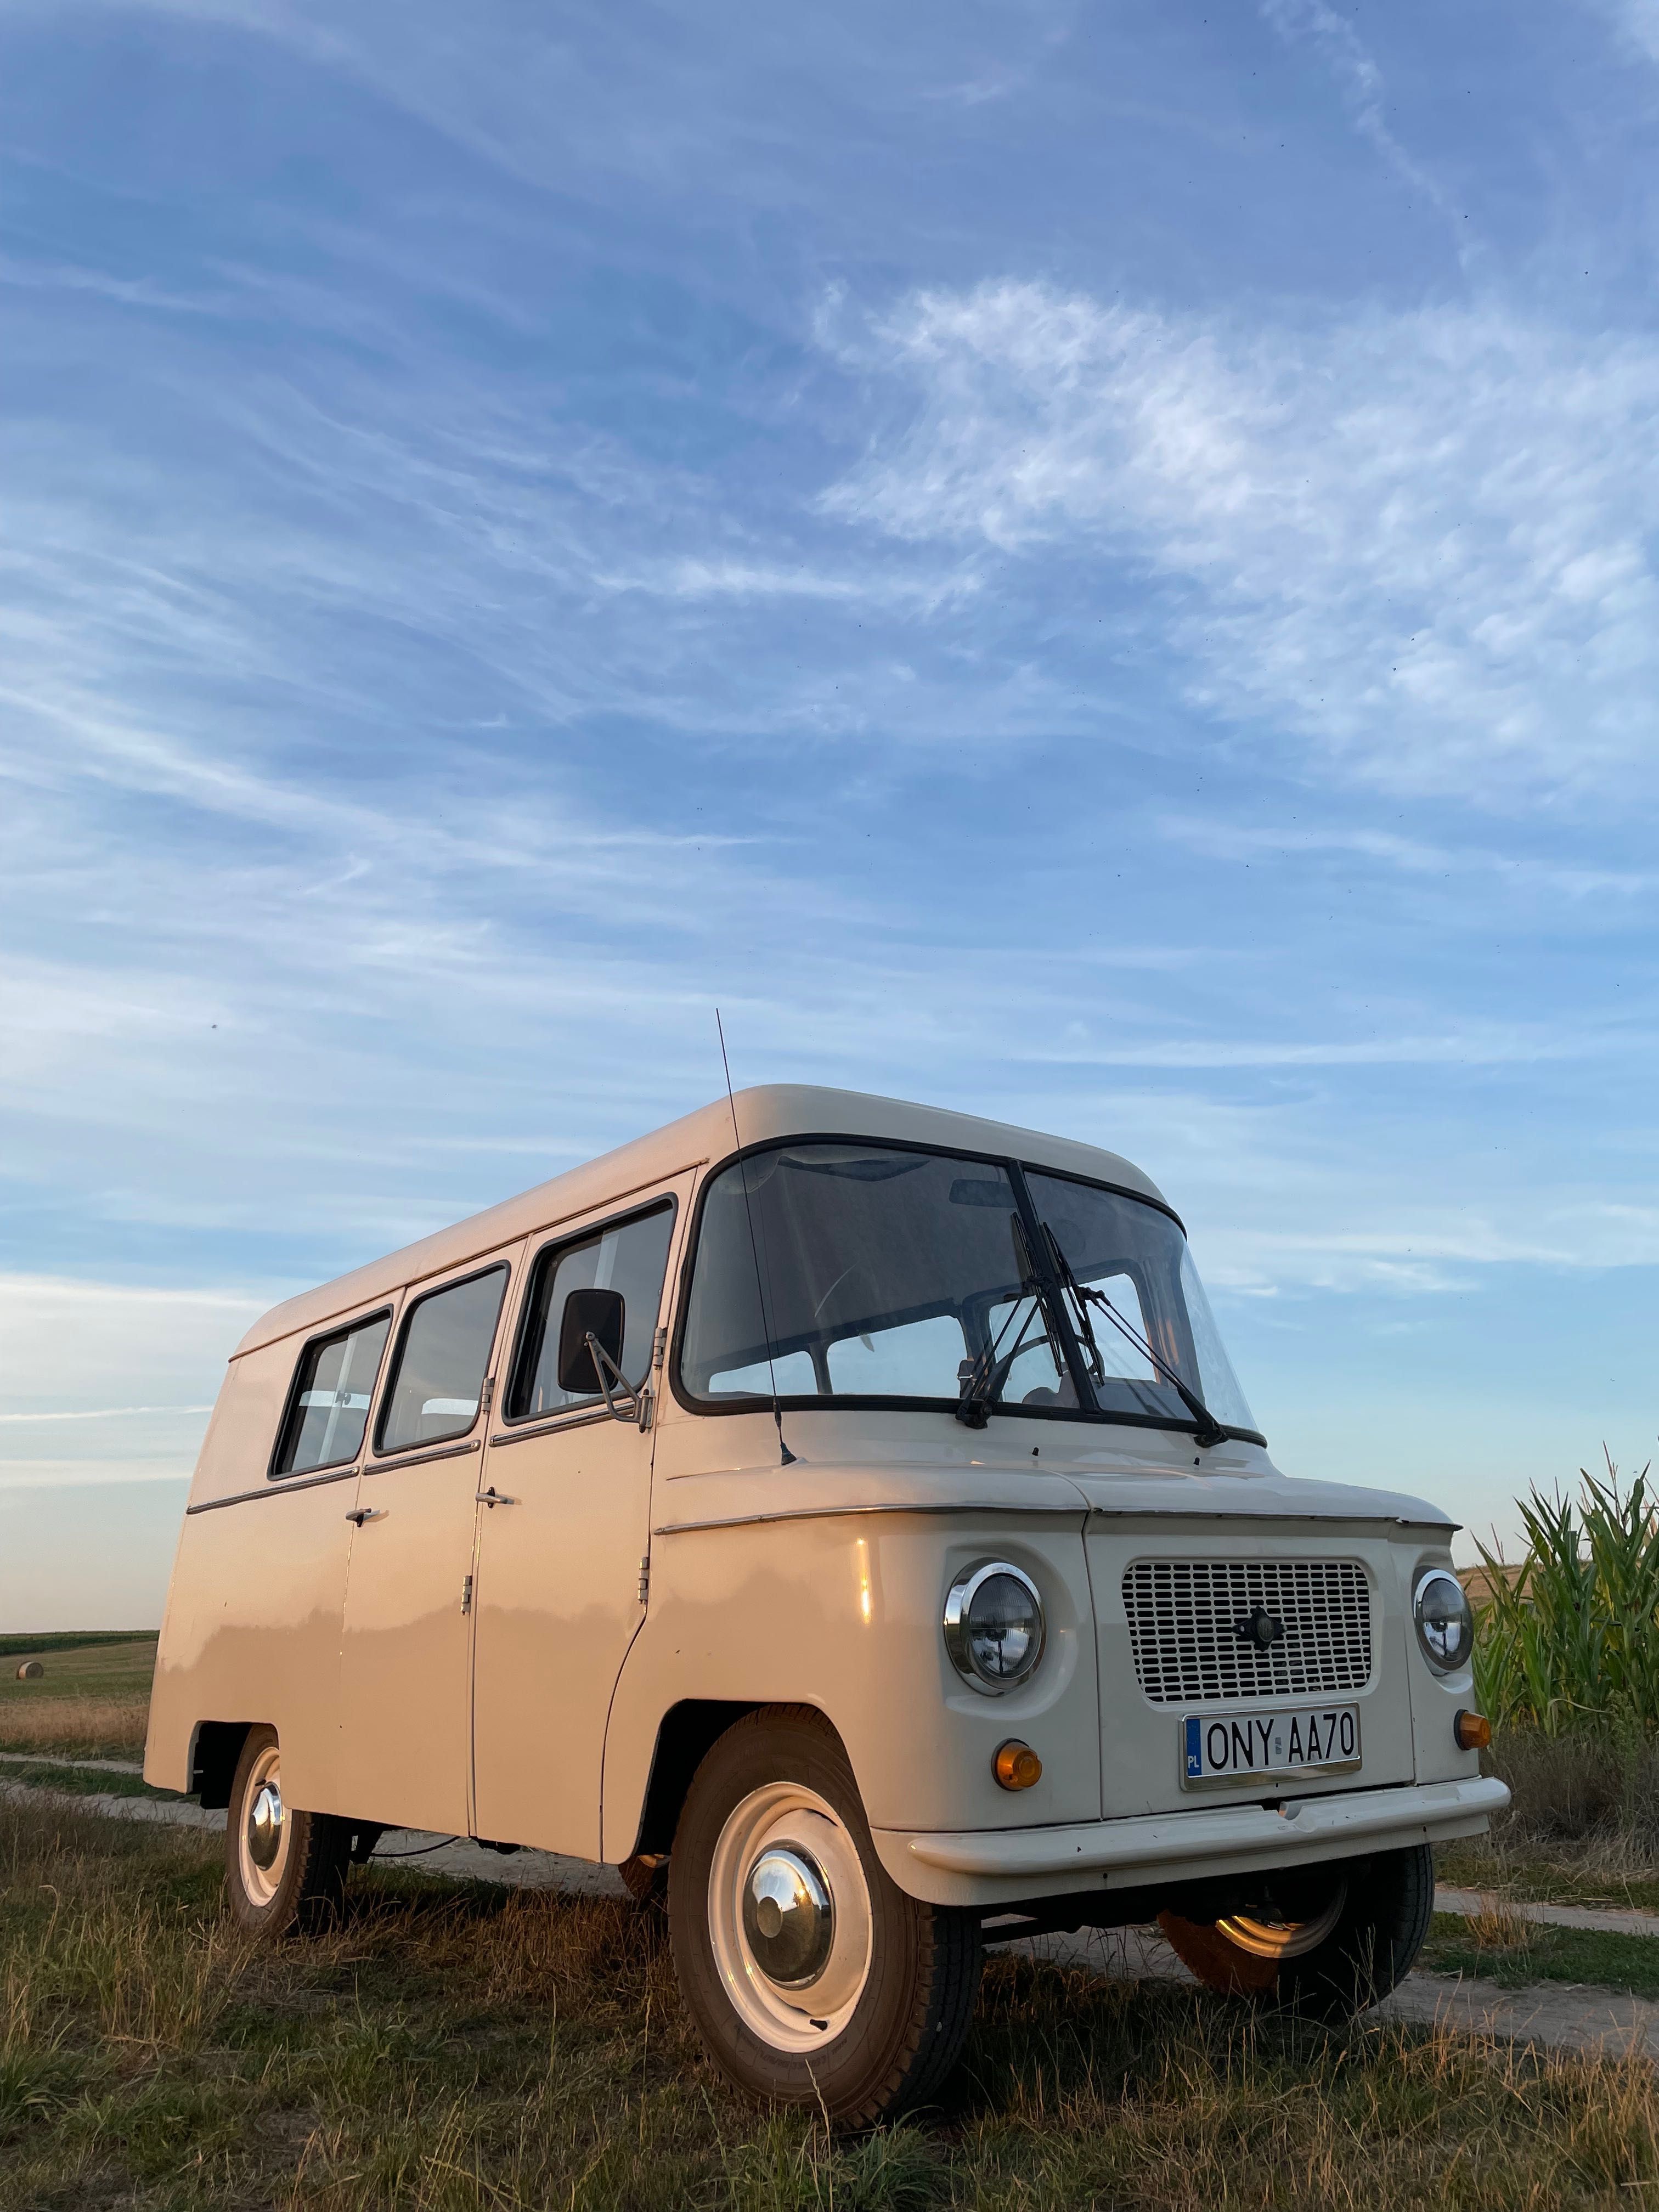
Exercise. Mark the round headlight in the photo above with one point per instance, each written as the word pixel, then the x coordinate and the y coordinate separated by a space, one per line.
pixel 1445 1627
pixel 993 1627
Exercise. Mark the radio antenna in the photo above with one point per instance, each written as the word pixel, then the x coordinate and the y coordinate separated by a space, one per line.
pixel 786 1458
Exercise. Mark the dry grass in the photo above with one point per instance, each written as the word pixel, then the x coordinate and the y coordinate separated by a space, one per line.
pixel 1497 1926
pixel 454 2048
pixel 1583 1825
pixel 83 1727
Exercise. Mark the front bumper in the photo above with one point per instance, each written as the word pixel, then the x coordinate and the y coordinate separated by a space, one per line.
pixel 1005 1865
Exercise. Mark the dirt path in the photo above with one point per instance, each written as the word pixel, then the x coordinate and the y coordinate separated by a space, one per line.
pixel 1607 1918
pixel 1563 2017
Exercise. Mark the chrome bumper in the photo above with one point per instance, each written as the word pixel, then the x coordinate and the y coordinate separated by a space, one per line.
pixel 997 1866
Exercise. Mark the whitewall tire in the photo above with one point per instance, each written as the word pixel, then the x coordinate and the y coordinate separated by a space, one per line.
pixel 812 1977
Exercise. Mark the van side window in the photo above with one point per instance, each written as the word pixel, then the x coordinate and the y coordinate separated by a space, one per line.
pixel 442 1354
pixel 629 1256
pixel 328 1406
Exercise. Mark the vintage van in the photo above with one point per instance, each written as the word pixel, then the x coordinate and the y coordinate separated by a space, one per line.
pixel 841 1516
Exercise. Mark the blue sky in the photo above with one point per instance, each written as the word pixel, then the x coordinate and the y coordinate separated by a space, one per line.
pixel 1091 564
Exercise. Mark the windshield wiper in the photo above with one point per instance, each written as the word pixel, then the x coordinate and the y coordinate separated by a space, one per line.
pixel 1209 1431
pixel 981 1378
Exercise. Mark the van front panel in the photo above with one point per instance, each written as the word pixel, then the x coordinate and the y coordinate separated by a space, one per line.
pixel 1290 1641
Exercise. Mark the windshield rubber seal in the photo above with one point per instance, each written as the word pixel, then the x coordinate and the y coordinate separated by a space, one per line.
pixel 1091 1415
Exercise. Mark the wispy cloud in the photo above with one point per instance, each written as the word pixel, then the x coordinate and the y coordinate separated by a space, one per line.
pixel 1637 21
pixel 1414 857
pixel 1358 79
pixel 1164 653
pixel 1420 542
pixel 107 1414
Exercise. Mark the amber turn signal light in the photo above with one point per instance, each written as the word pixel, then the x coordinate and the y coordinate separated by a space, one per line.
pixel 1473 1731
pixel 1016 1765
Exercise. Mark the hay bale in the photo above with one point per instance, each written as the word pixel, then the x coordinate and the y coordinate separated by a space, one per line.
pixel 30 1671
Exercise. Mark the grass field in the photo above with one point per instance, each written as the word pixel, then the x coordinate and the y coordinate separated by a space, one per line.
pixel 91 1698
pixel 118 1668
pixel 455 2047
pixel 1528 1954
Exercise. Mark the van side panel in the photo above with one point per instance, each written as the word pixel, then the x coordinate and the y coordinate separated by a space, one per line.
pixel 252 1627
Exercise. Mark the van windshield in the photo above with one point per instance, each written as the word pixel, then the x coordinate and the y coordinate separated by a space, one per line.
pixel 893 1274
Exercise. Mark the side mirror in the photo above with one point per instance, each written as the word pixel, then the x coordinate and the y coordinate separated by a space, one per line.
pixel 598 1314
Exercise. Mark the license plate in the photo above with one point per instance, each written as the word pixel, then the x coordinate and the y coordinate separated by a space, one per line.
pixel 1232 1747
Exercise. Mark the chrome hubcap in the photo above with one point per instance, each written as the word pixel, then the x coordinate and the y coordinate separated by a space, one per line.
pixel 790 1921
pixel 264 1825
pixel 788 1917
pixel 1284 1939
pixel 265 1831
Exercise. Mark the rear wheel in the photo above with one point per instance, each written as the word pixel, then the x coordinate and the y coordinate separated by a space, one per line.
pixel 284 1870
pixel 812 1977
pixel 1325 1940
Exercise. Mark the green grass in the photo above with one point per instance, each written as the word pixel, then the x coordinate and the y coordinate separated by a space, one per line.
pixel 1540 1875
pixel 92 1699
pixel 85 1782
pixel 71 1639
pixel 1588 1956
pixel 455 2047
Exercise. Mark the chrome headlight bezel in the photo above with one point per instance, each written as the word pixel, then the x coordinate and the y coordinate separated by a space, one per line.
pixel 1424 1583
pixel 958 1622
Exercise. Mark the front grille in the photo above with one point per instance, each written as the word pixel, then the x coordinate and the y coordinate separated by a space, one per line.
pixel 1184 1616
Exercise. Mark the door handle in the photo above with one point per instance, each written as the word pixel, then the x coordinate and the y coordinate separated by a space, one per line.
pixel 361 1513
pixel 493 1497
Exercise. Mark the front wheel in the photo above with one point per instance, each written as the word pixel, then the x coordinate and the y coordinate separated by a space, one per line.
pixel 284 1870
pixel 812 1977
pixel 1326 1941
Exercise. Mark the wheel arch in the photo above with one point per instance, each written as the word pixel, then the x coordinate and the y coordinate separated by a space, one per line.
pixel 686 1732
pixel 215 1748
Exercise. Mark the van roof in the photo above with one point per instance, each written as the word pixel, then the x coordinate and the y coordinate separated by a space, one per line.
pixel 769 1110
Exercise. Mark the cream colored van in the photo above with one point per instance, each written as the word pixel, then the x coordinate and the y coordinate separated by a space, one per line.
pixel 842 1516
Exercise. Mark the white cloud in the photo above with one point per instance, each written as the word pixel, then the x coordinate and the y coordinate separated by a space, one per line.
pixel 1418 544
pixel 1636 21
pixel 111 1381
pixel 91 1474
pixel 80 1346
pixel 107 1414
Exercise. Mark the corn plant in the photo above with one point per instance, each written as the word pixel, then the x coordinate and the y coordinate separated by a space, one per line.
pixel 1572 1640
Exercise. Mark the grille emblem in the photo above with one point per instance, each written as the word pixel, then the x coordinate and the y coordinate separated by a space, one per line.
pixel 1259 1627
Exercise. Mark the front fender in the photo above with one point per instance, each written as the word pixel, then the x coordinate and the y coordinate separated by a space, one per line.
pixel 841 1611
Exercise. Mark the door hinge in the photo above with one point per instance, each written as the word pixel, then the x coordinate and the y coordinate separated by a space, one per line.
pixel 487 1399
pixel 659 1346
pixel 645 1579
pixel 466 1593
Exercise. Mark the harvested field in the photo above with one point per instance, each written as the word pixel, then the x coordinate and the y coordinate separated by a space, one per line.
pixel 87 1727
pixel 92 1698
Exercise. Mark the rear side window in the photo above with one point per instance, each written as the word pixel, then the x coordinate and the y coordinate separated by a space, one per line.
pixel 442 1355
pixel 328 1406
pixel 628 1256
